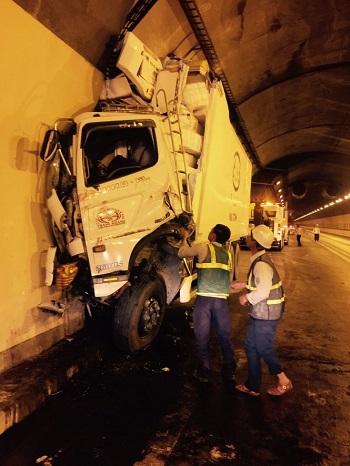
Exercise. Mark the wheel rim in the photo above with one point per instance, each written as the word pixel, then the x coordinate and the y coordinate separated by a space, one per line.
pixel 150 316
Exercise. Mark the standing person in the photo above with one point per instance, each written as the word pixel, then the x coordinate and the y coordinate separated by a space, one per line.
pixel 298 232
pixel 211 306
pixel 265 299
pixel 316 232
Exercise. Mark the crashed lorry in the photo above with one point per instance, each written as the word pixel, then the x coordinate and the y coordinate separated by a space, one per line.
pixel 158 153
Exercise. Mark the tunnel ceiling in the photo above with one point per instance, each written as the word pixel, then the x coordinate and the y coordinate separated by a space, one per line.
pixel 287 63
pixel 286 66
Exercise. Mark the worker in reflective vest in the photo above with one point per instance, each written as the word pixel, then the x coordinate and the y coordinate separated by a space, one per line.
pixel 211 306
pixel 265 298
pixel 271 307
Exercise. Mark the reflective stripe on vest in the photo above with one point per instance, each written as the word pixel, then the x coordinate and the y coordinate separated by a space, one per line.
pixel 213 264
pixel 272 307
pixel 274 286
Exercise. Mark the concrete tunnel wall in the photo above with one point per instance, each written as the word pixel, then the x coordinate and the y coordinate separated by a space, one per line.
pixel 43 79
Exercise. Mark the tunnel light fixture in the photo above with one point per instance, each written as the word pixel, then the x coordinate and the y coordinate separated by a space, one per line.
pixel 326 206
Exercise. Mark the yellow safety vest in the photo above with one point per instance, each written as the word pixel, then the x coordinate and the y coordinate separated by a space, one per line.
pixel 214 272
pixel 271 308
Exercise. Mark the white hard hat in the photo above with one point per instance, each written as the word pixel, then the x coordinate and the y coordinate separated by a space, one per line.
pixel 263 235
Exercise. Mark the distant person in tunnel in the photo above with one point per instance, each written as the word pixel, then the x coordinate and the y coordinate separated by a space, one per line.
pixel 265 298
pixel 298 232
pixel 211 306
pixel 316 231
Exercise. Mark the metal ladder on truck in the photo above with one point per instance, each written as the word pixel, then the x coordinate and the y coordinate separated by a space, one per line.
pixel 181 166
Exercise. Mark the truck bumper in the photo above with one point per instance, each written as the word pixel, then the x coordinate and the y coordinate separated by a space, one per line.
pixel 104 288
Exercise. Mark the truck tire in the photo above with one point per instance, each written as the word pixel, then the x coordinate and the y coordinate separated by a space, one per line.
pixel 138 314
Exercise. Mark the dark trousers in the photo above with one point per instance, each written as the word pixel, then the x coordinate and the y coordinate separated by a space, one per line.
pixel 213 312
pixel 298 239
pixel 260 345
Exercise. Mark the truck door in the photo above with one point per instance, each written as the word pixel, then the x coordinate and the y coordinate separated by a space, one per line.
pixel 121 181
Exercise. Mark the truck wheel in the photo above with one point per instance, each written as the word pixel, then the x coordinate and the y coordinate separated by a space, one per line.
pixel 138 314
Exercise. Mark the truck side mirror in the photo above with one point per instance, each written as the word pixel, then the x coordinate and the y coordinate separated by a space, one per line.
pixel 50 145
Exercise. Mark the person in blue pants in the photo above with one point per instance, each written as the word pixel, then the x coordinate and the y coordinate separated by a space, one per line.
pixel 211 307
pixel 265 298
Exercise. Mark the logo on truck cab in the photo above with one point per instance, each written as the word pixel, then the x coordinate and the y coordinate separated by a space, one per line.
pixel 109 217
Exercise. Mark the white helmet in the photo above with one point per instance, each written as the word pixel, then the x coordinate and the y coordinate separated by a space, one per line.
pixel 263 235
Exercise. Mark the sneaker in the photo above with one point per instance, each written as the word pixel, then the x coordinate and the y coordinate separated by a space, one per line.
pixel 201 378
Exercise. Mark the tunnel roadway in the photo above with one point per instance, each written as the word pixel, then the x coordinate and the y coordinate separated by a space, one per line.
pixel 147 410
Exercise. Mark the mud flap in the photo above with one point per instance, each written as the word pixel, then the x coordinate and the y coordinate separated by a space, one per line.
pixel 185 290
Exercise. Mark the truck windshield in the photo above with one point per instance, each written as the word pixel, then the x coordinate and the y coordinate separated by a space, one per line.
pixel 112 151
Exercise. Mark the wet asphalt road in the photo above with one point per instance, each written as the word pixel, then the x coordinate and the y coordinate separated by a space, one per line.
pixel 147 410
